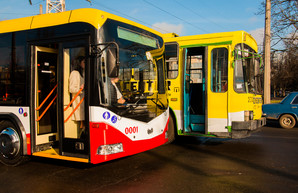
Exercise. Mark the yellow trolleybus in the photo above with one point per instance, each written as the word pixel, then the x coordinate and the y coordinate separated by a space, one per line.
pixel 81 85
pixel 214 84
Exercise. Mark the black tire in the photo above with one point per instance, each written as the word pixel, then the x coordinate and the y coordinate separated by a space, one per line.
pixel 171 130
pixel 287 121
pixel 10 144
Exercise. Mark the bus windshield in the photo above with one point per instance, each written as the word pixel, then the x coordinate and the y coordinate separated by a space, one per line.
pixel 136 73
pixel 247 70
pixel 139 80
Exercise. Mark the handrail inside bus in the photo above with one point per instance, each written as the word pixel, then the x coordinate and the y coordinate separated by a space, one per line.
pixel 254 54
pixel 74 110
pixel 38 119
pixel 74 98
pixel 43 102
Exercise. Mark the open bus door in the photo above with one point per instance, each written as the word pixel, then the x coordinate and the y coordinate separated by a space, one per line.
pixel 74 137
pixel 56 133
pixel 205 90
pixel 46 125
pixel 186 94
pixel 194 90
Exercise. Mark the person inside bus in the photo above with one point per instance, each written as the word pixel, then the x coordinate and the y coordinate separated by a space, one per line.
pixel 224 86
pixel 76 83
pixel 116 95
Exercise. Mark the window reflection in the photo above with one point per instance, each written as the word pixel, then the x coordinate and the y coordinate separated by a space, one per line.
pixel 219 70
pixel 171 57
pixel 247 71
pixel 12 69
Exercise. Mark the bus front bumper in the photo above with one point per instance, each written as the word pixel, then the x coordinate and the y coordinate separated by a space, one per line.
pixel 241 129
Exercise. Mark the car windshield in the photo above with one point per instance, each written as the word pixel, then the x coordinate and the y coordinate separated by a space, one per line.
pixel 284 99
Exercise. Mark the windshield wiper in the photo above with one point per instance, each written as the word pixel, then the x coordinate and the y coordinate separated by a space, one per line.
pixel 160 106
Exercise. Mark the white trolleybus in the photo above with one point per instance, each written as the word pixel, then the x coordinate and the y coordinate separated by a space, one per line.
pixel 81 85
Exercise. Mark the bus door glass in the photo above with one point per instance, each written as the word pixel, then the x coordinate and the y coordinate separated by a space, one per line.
pixel 217 90
pixel 46 95
pixel 195 65
pixel 74 133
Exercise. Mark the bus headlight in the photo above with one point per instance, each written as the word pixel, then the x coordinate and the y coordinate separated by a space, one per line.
pixel 110 149
pixel 248 115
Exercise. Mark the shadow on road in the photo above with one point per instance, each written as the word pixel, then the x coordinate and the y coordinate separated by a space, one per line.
pixel 200 140
pixel 199 145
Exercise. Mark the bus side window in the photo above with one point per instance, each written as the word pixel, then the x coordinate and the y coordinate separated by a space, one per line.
pixel 13 69
pixel 171 55
pixel 219 70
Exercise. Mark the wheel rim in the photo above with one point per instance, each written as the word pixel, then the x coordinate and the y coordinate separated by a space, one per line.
pixel 9 143
pixel 287 121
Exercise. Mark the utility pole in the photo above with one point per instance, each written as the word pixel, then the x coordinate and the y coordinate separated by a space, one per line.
pixel 267 72
pixel 55 6
pixel 40 9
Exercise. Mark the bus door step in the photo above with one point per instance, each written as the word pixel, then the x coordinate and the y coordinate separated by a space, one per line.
pixel 198 127
pixel 197 119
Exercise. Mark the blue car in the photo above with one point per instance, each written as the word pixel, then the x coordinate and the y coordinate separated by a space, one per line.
pixel 286 112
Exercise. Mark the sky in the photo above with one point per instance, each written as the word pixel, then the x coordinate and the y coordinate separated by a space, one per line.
pixel 184 17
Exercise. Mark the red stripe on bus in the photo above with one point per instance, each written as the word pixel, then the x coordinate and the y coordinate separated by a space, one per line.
pixel 107 134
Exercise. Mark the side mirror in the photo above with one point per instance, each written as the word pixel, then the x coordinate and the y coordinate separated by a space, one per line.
pixel 112 62
pixel 112 56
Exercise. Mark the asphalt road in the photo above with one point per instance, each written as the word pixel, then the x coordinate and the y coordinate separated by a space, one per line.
pixel 264 162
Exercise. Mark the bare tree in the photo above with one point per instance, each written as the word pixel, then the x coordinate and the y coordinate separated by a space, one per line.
pixel 285 68
pixel 284 31
pixel 284 20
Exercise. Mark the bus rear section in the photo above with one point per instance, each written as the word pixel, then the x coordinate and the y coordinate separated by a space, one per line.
pixel 214 84
pixel 57 97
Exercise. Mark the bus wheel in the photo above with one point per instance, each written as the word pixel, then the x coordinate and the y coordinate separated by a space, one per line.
pixel 171 130
pixel 287 121
pixel 10 144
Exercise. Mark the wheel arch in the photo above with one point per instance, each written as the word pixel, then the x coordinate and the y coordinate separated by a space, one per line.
pixel 16 121
pixel 172 113
pixel 293 114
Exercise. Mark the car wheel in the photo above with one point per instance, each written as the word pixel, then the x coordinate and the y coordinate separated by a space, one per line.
pixel 287 121
pixel 10 144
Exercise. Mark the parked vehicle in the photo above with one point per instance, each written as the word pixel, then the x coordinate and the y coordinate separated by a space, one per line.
pixel 286 112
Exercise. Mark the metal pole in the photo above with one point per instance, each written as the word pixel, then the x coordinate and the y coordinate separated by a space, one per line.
pixel 267 72
pixel 40 9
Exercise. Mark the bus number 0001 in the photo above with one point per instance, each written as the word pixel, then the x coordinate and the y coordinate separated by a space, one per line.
pixel 130 130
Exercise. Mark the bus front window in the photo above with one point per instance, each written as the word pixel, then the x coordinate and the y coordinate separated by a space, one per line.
pixel 140 81
pixel 247 72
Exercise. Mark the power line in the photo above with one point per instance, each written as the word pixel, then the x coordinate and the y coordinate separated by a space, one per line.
pixel 37 2
pixel 199 15
pixel 138 20
pixel 11 13
pixel 175 16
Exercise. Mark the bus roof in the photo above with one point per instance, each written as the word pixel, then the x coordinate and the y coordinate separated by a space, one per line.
pixel 221 38
pixel 92 16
